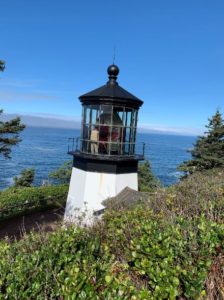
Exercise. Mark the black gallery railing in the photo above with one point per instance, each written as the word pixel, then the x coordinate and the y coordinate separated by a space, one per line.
pixel 106 148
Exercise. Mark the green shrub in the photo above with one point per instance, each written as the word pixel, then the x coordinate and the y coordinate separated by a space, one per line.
pixel 63 173
pixel 165 248
pixel 147 182
pixel 136 255
pixel 19 201
pixel 25 179
pixel 170 258
pixel 67 264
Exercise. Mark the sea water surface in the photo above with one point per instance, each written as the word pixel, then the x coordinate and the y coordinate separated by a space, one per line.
pixel 45 149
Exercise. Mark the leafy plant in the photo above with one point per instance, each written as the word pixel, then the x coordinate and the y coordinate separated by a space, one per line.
pixel 170 247
pixel 170 259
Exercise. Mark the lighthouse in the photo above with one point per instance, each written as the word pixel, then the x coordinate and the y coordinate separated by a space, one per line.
pixel 106 159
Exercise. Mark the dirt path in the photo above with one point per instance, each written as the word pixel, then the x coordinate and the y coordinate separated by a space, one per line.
pixel 44 221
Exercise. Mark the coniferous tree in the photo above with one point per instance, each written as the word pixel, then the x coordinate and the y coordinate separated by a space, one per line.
pixel 208 152
pixel 9 131
pixel 9 135
pixel 147 182
pixel 25 179
pixel 63 173
pixel 2 65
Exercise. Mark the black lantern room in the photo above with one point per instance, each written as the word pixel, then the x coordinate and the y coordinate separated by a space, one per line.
pixel 109 127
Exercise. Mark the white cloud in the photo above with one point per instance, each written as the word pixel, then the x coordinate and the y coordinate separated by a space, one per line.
pixel 52 116
pixel 44 120
pixel 171 129
pixel 19 96
pixel 20 83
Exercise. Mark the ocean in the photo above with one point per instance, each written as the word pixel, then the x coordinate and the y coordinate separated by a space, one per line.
pixel 45 149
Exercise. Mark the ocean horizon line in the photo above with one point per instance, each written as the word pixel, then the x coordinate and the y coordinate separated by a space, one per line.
pixel 59 122
pixel 139 130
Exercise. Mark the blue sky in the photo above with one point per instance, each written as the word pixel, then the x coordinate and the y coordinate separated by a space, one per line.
pixel 170 54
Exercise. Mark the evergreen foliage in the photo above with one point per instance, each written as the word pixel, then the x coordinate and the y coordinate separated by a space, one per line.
pixel 208 152
pixel 146 180
pixel 2 65
pixel 25 179
pixel 9 131
pixel 9 135
pixel 14 201
pixel 63 173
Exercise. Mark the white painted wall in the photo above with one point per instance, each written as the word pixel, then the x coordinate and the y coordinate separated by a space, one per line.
pixel 92 188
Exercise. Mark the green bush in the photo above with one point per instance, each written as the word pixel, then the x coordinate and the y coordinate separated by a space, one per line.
pixel 63 173
pixel 147 182
pixel 170 258
pixel 15 201
pixel 137 255
pixel 25 179
pixel 166 248
pixel 67 264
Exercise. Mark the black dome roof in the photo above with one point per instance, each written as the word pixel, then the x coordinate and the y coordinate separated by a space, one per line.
pixel 111 92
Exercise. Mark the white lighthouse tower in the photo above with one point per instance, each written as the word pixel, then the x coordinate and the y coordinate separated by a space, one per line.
pixel 105 161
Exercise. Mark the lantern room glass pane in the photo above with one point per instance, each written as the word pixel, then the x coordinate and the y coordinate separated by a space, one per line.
pixel 135 118
pixel 119 112
pixel 126 148
pixel 91 114
pixel 95 115
pixel 116 119
pixel 85 132
pixel 115 139
pixel 127 134
pixel 128 117
pixel 105 114
pixel 88 115
pixel 108 130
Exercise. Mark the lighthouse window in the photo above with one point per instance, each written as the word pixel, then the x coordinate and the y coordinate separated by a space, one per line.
pixel 135 118
pixel 105 116
pixel 128 118
pixel 108 130
pixel 95 115
pixel 88 115
pixel 119 111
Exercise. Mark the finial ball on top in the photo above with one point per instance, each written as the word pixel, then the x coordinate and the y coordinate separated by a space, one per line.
pixel 113 70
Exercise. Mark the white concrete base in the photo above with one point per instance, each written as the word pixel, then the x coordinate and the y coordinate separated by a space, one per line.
pixel 88 189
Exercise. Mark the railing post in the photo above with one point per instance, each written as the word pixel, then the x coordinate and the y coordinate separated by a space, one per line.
pixel 77 139
pixel 143 150
pixel 73 144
